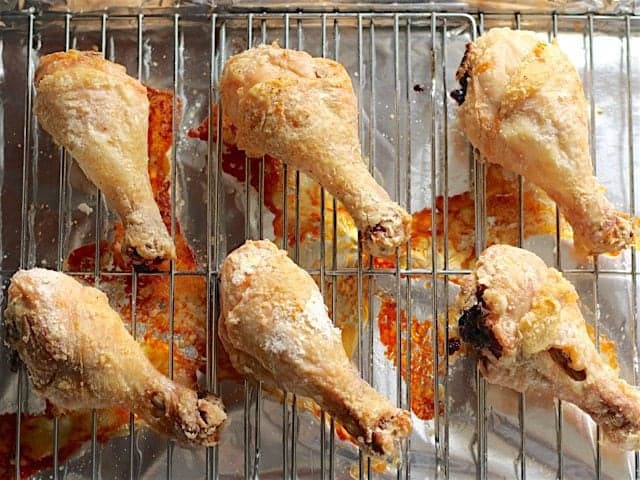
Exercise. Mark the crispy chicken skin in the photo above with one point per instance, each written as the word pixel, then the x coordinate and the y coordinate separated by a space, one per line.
pixel 80 356
pixel 525 322
pixel 275 327
pixel 303 111
pixel 523 107
pixel 95 110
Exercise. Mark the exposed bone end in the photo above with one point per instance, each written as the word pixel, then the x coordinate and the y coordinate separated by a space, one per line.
pixel 195 421
pixel 146 240
pixel 388 432
pixel 611 235
pixel 387 229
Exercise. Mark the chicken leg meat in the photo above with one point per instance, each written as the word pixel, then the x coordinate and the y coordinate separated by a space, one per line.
pixel 524 320
pixel 522 105
pixel 80 356
pixel 100 115
pixel 303 111
pixel 275 328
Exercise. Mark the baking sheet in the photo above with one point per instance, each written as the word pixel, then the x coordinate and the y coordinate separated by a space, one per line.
pixel 398 135
pixel 504 6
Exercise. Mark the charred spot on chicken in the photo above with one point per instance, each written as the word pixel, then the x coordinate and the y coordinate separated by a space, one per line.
pixel 472 328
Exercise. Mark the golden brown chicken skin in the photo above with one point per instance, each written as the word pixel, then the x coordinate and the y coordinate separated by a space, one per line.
pixel 275 327
pixel 303 111
pixel 80 356
pixel 100 115
pixel 523 107
pixel 524 320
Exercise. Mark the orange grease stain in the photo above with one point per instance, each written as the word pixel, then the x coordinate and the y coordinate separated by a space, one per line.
pixel 607 347
pixel 421 355
pixel 502 222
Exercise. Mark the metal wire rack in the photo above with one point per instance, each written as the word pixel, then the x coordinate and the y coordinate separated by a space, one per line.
pixel 403 65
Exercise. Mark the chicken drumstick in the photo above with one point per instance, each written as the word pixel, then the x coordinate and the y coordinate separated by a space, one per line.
pixel 303 111
pixel 523 107
pixel 80 356
pixel 275 328
pixel 524 320
pixel 95 110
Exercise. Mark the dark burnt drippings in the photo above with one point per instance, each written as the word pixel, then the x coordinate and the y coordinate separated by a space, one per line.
pixel 472 329
pixel 453 345
pixel 564 361
pixel 462 75
pixel 459 94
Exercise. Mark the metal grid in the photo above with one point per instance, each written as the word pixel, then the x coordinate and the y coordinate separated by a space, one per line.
pixel 290 29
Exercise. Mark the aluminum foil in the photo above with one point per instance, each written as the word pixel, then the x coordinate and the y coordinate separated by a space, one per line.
pixel 407 121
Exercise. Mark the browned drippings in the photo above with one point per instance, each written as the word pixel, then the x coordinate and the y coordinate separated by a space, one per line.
pixel 453 345
pixel 459 94
pixel 462 75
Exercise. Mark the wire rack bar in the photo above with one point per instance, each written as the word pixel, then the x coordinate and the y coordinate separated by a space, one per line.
pixel 592 145
pixel 632 211
pixel 215 153
pixel 59 258
pixel 96 264
pixel 558 265
pixel 342 272
pixel 26 142
pixel 261 195
pixel 408 289
pixel 133 470
pixel 246 187
pixel 435 146
pixel 445 246
pixel 372 159
pixel 398 280
pixel 198 14
pixel 480 227
pixel 521 397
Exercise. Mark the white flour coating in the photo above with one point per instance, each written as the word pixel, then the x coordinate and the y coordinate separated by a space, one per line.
pixel 288 318
pixel 281 339
pixel 248 264
pixel 316 315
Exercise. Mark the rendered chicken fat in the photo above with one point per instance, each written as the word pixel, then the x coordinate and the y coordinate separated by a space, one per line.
pixel 275 328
